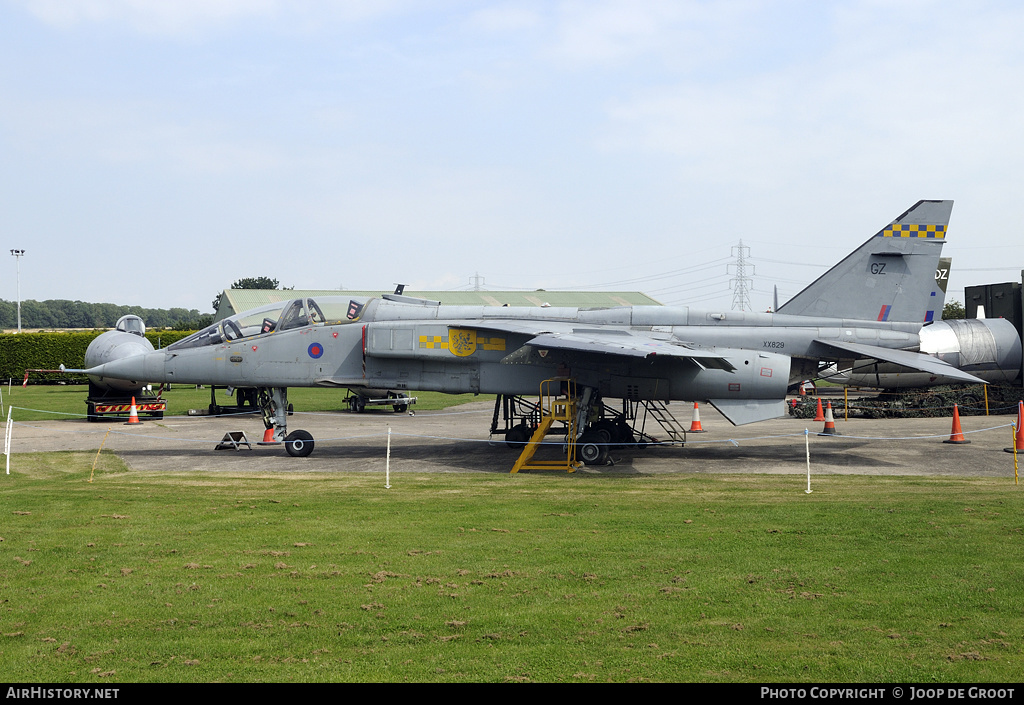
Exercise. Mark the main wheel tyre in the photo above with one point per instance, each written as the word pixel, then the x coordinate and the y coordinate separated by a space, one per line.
pixel 360 405
pixel 517 436
pixel 592 450
pixel 626 439
pixel 607 429
pixel 299 444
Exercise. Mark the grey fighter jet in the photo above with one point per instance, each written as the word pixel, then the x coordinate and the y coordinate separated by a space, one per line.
pixel 871 305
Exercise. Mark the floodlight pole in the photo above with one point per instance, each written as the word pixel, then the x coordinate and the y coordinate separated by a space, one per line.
pixel 18 254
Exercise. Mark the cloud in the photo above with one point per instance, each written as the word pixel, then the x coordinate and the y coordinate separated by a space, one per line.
pixel 148 16
pixel 134 134
pixel 506 17
pixel 872 107
pixel 611 32
pixel 178 17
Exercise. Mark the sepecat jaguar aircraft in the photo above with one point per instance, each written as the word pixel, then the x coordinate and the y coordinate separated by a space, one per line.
pixel 870 306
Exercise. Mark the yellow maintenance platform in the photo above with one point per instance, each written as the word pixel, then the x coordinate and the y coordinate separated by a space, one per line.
pixel 555 406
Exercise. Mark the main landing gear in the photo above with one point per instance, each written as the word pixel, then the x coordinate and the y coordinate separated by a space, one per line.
pixel 273 403
pixel 603 427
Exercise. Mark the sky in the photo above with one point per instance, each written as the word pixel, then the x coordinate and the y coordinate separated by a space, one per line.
pixel 153 152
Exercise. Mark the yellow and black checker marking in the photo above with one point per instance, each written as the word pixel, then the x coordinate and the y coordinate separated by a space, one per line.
pixel 461 342
pixel 935 232
pixel 432 342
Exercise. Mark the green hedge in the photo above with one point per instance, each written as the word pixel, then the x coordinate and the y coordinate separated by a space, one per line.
pixel 48 351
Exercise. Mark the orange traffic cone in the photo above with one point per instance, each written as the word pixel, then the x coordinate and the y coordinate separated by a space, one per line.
pixel 1018 436
pixel 268 438
pixel 830 423
pixel 956 435
pixel 695 425
pixel 820 416
pixel 803 392
pixel 133 414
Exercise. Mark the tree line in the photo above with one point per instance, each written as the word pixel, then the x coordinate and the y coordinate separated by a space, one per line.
pixel 56 314
pixel 60 313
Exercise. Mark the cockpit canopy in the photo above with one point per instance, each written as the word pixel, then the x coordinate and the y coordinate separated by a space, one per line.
pixel 131 324
pixel 275 317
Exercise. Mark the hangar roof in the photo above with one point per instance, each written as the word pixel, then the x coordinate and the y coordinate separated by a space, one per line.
pixel 233 301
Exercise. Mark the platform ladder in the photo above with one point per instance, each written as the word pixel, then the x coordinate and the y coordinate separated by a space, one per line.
pixel 553 407
pixel 660 413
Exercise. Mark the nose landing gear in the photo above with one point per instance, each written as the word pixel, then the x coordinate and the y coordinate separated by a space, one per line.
pixel 273 403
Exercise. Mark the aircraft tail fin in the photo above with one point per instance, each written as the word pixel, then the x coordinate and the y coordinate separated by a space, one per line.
pixel 934 312
pixel 891 277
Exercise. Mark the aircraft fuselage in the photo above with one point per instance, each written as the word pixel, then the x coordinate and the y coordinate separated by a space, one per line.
pixel 460 349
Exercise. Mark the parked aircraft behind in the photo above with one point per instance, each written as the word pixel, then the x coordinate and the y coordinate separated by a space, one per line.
pixel 989 348
pixel 127 339
pixel 870 305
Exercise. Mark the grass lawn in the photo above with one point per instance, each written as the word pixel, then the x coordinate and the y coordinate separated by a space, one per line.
pixel 454 578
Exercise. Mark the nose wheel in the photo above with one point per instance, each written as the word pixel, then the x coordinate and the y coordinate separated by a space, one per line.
pixel 299 444
pixel 273 402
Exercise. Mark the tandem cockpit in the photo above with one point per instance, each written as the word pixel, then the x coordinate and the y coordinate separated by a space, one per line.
pixel 275 317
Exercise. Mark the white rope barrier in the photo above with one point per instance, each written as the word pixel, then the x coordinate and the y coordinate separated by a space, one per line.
pixel 134 432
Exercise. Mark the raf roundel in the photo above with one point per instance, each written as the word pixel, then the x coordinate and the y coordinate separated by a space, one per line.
pixel 316 350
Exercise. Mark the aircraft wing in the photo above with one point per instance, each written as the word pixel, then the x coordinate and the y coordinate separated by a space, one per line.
pixel 913 360
pixel 523 327
pixel 629 344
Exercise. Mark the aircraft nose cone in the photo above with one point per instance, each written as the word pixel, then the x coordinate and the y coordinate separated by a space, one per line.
pixel 137 368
